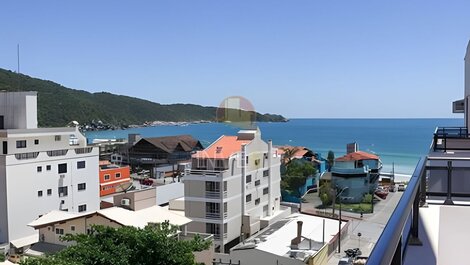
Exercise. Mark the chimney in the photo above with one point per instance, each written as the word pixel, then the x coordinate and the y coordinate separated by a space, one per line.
pixel 296 241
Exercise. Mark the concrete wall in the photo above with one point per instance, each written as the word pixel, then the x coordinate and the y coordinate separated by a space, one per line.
pixel 3 203
pixel 258 257
pixel 168 192
pixel 19 109
pixel 195 188
pixel 453 235
pixel 24 181
pixel 195 209
pixel 48 234
pixel 139 199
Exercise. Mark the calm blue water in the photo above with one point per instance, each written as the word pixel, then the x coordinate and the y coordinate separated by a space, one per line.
pixel 398 141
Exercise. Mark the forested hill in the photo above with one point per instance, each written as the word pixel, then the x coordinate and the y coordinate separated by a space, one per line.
pixel 59 105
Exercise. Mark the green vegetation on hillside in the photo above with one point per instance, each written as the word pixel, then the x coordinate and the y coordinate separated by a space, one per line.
pixel 58 105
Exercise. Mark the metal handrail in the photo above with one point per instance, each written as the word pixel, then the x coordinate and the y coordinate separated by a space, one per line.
pixel 391 238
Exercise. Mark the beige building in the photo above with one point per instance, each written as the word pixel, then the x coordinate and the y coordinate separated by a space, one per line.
pixel 233 188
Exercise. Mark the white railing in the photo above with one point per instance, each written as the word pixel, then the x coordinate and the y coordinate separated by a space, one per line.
pixel 210 215
pixel 213 194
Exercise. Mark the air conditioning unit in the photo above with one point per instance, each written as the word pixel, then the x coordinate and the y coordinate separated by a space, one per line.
pixel 62 175
pixel 61 194
pixel 125 202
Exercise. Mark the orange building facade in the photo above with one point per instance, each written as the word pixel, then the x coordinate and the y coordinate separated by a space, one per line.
pixel 113 178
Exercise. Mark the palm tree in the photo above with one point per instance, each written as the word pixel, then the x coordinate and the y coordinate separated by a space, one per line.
pixel 289 154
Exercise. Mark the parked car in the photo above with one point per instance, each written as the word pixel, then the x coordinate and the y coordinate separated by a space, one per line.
pixel 382 193
pixel 401 187
pixel 146 181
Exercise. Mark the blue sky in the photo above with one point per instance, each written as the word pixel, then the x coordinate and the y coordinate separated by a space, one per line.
pixel 319 59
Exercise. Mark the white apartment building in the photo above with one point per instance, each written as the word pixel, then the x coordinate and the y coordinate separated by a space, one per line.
pixel 233 188
pixel 41 169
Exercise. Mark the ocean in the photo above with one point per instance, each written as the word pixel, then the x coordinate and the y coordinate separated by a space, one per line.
pixel 400 142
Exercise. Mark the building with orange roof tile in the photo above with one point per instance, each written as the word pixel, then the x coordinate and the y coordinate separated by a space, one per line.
pixel 233 188
pixel 357 171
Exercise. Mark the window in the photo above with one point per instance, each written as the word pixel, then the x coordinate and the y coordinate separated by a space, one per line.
pixel 106 177
pixel 36 141
pixel 247 160
pixel 39 193
pixel 62 168
pixel 213 229
pixel 63 191
pixel 212 208
pixel 265 173
pixel 57 138
pixel 265 191
pixel 21 144
pixel 248 179
pixel 257 201
pixel 81 164
pixel 82 186
pixel 39 169
pixel 59 231
pixel 118 175
pixel 219 164
pixel 5 147
pixel 213 186
pixel 82 208
pixel 48 167
pixel 202 163
pixel 257 182
pixel 248 198
pixel 72 228
pixel 49 192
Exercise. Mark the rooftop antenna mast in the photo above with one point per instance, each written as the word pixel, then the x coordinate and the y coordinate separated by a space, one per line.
pixel 18 56
pixel 18 65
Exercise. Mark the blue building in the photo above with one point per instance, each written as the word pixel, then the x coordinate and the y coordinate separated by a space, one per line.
pixel 357 173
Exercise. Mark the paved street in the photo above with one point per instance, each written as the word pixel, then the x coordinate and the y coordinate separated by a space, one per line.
pixel 370 226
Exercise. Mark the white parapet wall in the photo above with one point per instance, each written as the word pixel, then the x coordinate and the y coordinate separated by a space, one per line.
pixel 168 192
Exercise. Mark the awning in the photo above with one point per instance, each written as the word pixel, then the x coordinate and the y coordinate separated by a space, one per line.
pixel 25 241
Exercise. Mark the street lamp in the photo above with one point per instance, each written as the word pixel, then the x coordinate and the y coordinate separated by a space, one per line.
pixel 338 195
pixel 302 197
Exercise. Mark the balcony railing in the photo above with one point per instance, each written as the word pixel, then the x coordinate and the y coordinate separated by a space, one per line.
pixel 217 236
pixel 402 227
pixel 215 194
pixel 208 173
pixel 212 194
pixel 391 246
pixel 210 215
pixel 450 138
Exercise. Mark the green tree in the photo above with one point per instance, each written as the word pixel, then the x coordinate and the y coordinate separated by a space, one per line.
pixel 154 244
pixel 330 160
pixel 296 175
pixel 325 194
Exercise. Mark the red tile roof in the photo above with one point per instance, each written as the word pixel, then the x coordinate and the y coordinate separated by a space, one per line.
pixel 356 156
pixel 223 148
